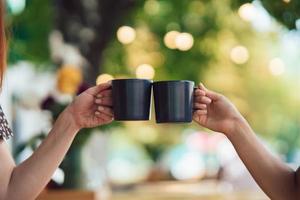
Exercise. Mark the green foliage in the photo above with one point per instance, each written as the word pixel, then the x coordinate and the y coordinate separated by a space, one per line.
pixel 199 18
pixel 29 32
pixel 216 29
pixel 286 13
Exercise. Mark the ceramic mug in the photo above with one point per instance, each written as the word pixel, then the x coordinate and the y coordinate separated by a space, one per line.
pixel 131 99
pixel 173 101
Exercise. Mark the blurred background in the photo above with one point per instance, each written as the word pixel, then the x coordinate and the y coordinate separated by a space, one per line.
pixel 247 50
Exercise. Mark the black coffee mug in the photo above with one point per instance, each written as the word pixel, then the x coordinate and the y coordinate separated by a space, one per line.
pixel 173 101
pixel 131 99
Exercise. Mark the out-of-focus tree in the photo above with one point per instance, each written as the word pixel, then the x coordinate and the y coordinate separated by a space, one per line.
pixel 28 31
pixel 199 40
pixel 86 25
pixel 156 24
pixel 90 25
pixel 139 38
pixel 227 54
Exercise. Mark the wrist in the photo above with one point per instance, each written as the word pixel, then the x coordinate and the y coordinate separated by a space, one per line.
pixel 237 124
pixel 69 117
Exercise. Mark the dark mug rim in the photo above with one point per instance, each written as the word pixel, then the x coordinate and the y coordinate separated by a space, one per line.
pixel 174 81
pixel 131 79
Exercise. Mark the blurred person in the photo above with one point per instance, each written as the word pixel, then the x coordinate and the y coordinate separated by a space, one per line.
pixel 25 181
pixel 216 112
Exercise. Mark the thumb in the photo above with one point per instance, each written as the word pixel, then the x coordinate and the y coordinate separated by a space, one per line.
pixel 98 88
pixel 211 94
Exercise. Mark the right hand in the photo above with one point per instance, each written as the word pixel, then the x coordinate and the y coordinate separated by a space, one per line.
pixel 92 107
pixel 215 112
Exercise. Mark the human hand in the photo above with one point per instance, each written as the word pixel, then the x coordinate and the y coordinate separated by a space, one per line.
pixel 92 107
pixel 214 111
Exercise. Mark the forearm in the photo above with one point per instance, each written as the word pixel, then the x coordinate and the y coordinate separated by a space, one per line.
pixel 275 178
pixel 29 178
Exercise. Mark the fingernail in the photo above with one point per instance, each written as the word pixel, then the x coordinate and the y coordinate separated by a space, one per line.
pixel 98 100
pixel 97 113
pixel 101 108
pixel 99 96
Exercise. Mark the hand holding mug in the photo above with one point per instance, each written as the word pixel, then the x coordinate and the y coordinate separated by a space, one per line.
pixel 173 100
pixel 214 111
pixel 92 107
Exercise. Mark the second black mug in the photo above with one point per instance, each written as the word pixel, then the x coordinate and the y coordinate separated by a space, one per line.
pixel 173 101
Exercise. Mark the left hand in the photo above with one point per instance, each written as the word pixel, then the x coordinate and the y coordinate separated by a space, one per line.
pixel 92 107
pixel 214 111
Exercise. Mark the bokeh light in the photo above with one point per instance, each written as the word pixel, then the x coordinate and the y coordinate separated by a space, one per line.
pixel 276 67
pixel 126 34
pixel 189 166
pixel 16 6
pixel 170 38
pixel 145 71
pixel 69 77
pixel 129 172
pixel 104 78
pixel 151 7
pixel 184 41
pixel 239 55
pixel 247 11
pixel 244 52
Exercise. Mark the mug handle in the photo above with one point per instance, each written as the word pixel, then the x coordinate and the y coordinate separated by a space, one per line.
pixel 195 88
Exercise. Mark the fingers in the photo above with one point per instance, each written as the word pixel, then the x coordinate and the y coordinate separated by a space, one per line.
pixel 99 88
pixel 209 93
pixel 104 117
pixel 104 101
pixel 200 117
pixel 199 92
pixel 200 106
pixel 202 100
pixel 105 93
pixel 200 112
pixel 104 98
pixel 106 110
pixel 196 118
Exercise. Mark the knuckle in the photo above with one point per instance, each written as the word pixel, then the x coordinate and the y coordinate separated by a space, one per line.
pixel 222 97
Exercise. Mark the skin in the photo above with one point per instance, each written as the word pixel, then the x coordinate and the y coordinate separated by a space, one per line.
pixel 91 108
pixel 216 112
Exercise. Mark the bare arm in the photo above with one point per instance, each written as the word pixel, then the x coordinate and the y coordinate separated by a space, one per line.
pixel 276 179
pixel 29 178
